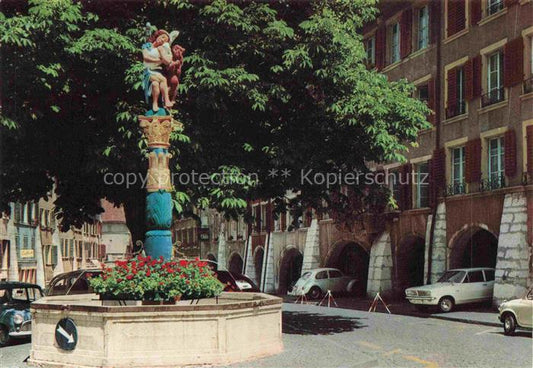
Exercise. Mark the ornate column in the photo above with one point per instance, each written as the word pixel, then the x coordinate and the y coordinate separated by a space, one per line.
pixel 157 129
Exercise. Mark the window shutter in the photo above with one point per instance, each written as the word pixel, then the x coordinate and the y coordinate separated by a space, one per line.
pixel 438 171
pixel 510 153
pixel 473 161
pixel 452 88
pixel 405 33
pixel 513 62
pixel 456 16
pixel 461 15
pixel 476 76
pixel 529 140
pixel 434 21
pixel 283 220
pixel 269 217
pixel 469 80
pixel 406 200
pixel 432 193
pixel 101 252
pixel 380 48
pixel 431 100
pixel 475 11
pixel 258 218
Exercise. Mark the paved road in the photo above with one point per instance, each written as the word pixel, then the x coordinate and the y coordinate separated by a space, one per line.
pixel 321 337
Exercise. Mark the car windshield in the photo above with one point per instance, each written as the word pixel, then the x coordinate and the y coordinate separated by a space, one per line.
pixel 452 276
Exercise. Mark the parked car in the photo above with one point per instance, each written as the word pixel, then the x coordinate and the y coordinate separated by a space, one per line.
pixel 15 317
pixel 236 282
pixel 233 281
pixel 315 283
pixel 458 286
pixel 70 283
pixel 517 313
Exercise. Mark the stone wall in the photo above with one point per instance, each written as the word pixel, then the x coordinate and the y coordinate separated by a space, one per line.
pixel 512 265
pixel 380 266
pixel 439 250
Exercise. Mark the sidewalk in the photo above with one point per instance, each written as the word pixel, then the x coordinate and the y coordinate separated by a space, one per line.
pixel 471 313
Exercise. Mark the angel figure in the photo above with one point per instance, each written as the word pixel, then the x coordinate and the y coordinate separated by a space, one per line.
pixel 157 56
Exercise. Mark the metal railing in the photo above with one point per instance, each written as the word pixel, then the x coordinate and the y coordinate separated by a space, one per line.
pixel 455 189
pixel 492 97
pixel 492 183
pixel 458 109
pixel 528 85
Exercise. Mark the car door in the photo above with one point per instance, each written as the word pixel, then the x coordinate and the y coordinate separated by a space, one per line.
pixel 488 289
pixel 336 283
pixel 524 310
pixel 473 287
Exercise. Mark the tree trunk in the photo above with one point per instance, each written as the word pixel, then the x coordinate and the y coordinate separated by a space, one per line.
pixel 134 208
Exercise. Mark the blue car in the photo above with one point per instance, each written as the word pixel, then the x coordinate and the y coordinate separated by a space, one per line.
pixel 15 317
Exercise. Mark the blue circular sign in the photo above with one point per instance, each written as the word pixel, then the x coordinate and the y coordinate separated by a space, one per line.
pixel 66 334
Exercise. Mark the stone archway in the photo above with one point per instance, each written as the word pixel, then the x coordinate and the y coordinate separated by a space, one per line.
pixel 473 247
pixel 235 263
pixel 290 269
pixel 258 263
pixel 353 260
pixel 409 263
pixel 211 257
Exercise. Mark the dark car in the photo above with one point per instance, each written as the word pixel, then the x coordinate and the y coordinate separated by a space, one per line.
pixel 70 283
pixel 233 281
pixel 15 317
pixel 236 282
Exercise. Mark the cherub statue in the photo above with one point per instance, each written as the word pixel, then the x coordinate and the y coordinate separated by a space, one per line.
pixel 174 70
pixel 157 57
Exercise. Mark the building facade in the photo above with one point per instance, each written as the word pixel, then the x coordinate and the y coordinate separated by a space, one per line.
pixel 116 237
pixel 470 198
pixel 33 249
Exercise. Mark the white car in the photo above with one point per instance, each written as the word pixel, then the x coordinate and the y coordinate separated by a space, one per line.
pixel 458 286
pixel 317 282
pixel 517 313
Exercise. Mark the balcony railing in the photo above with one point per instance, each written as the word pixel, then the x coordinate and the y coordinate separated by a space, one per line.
pixel 492 183
pixel 494 96
pixel 528 85
pixel 458 109
pixel 494 8
pixel 455 189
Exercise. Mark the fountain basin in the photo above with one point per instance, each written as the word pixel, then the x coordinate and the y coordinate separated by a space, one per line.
pixel 236 327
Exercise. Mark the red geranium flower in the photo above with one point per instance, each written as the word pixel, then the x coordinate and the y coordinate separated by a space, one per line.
pixel 129 277
pixel 183 263
pixel 148 273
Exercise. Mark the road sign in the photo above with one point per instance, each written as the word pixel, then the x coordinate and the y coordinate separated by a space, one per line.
pixel 66 334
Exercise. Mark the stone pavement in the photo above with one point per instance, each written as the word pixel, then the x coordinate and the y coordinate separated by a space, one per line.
pixel 472 313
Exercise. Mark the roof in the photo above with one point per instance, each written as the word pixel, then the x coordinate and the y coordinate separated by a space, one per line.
pixel 324 269
pixel 16 284
pixel 112 213
pixel 472 269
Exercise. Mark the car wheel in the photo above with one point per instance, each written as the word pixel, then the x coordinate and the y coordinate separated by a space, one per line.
pixel 315 293
pixel 446 304
pixel 4 335
pixel 509 324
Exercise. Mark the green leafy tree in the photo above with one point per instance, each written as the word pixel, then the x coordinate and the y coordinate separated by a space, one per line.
pixel 265 86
